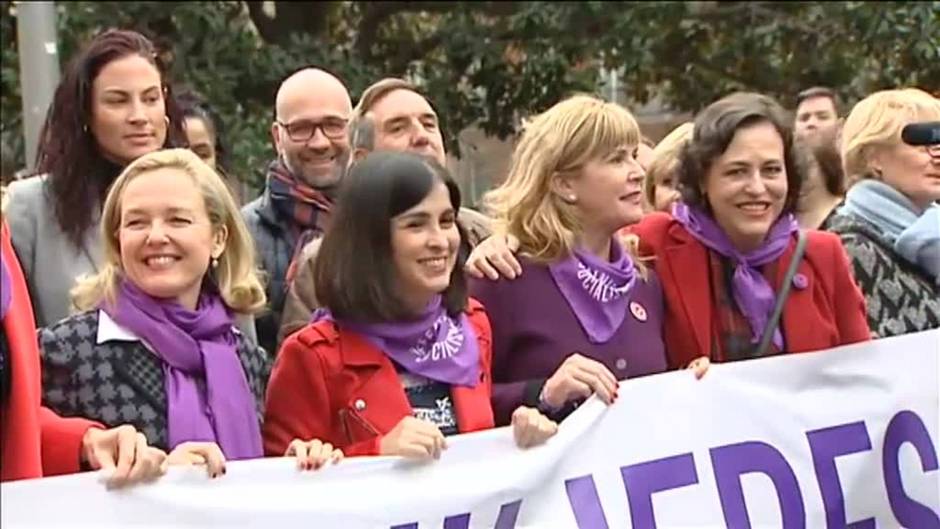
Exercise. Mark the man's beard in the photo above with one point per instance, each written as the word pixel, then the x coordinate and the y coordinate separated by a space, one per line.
pixel 324 182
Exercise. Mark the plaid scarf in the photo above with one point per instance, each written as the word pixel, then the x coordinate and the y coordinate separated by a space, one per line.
pixel 732 336
pixel 307 209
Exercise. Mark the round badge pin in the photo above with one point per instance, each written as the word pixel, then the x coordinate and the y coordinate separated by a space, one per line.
pixel 638 311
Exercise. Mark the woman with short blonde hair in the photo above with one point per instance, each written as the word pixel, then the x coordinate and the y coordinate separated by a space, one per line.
pixel 158 322
pixel 660 187
pixel 889 223
pixel 235 272
pixel 584 313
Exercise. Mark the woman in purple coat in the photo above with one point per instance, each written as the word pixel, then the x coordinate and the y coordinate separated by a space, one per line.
pixel 584 312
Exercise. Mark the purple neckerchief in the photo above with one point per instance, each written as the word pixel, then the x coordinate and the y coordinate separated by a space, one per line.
pixel 752 293
pixel 194 346
pixel 436 345
pixel 6 289
pixel 596 290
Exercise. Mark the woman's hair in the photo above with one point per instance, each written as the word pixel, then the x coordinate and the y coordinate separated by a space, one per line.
pixel 665 159
pixel 823 153
pixel 877 120
pixel 194 105
pixel 714 130
pixel 354 273
pixel 235 276
pixel 557 142
pixel 68 151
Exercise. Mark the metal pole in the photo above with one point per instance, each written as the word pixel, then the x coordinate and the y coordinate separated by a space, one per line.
pixel 39 67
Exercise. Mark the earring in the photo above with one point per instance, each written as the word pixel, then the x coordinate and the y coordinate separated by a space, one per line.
pixel 215 262
pixel 167 119
pixel 85 129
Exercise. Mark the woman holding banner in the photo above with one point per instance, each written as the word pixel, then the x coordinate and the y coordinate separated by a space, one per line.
pixel 400 357
pixel 34 441
pixel 739 280
pixel 585 312
pixel 155 345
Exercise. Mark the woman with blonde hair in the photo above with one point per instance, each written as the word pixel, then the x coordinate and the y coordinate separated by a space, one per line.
pixel 731 250
pixel 584 313
pixel 890 223
pixel 156 345
pixel 661 187
pixel 34 441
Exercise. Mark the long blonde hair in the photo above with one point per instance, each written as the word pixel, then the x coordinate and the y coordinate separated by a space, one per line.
pixel 877 121
pixel 559 141
pixel 236 275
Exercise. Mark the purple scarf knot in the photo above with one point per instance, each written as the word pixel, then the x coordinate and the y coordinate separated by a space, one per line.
pixel 596 290
pixel 436 345
pixel 752 293
pixel 195 345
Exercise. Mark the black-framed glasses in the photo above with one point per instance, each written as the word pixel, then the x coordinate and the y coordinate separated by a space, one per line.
pixel 304 129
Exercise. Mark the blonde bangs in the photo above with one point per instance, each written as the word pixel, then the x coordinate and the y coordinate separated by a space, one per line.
pixel 878 120
pixel 603 128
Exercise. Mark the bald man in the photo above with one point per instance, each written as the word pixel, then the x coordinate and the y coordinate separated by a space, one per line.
pixel 391 115
pixel 310 135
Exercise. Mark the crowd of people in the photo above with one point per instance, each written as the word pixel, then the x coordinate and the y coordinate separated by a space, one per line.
pixel 358 307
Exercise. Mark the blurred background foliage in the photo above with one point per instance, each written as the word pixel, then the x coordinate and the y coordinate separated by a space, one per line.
pixel 486 64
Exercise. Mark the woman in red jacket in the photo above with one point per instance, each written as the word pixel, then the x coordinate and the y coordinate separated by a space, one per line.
pixel 34 441
pixel 400 357
pixel 725 250
pixel 723 253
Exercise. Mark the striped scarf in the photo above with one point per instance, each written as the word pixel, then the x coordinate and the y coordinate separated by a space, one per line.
pixel 307 209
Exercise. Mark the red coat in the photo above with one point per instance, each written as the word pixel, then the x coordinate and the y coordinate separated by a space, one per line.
pixel 829 311
pixel 337 387
pixel 34 441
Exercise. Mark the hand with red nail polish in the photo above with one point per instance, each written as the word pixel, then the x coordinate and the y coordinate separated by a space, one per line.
pixel 313 454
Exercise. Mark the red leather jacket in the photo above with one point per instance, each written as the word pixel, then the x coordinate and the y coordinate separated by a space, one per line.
pixel 825 311
pixel 335 386
pixel 34 441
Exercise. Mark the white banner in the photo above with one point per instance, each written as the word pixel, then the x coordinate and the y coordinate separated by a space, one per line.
pixel 813 440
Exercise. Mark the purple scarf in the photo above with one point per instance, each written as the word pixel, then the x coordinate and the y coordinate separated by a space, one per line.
pixel 752 293
pixel 195 345
pixel 435 346
pixel 596 290
pixel 6 289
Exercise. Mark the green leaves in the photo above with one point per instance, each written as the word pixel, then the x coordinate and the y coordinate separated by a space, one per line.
pixel 490 63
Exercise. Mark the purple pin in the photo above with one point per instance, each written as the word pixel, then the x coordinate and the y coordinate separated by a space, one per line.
pixel 800 281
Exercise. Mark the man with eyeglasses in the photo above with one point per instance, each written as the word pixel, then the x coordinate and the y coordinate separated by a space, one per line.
pixel 310 135
pixel 391 115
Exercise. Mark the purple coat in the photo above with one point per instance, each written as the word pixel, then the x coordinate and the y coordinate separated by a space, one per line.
pixel 534 331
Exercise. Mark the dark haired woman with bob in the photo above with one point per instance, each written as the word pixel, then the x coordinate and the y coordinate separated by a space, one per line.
pixel 112 106
pixel 723 253
pixel 400 357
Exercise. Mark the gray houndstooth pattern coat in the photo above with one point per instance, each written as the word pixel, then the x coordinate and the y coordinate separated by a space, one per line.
pixel 900 297
pixel 120 382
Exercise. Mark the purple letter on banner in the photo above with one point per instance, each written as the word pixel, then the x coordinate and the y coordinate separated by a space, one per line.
pixel 904 427
pixel 643 479
pixel 826 444
pixel 731 461
pixel 506 519
pixel 582 495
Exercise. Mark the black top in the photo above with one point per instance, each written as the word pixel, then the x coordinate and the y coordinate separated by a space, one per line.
pixel 431 401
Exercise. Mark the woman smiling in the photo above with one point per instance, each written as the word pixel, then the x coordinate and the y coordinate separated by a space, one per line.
pixel 156 346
